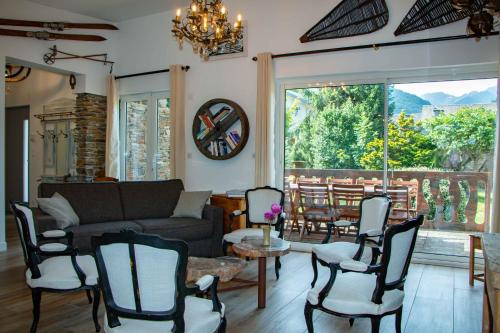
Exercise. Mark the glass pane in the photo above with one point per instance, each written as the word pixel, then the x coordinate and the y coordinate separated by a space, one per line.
pixel 334 135
pixel 136 160
pixel 440 146
pixel 163 139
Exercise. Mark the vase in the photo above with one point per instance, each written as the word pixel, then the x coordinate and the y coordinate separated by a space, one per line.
pixel 266 230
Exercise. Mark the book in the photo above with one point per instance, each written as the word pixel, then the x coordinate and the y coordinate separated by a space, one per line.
pixel 235 194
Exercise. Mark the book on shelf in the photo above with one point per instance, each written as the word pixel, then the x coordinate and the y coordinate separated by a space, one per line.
pixel 235 194
pixel 206 120
pixel 230 142
pixel 221 114
pixel 235 136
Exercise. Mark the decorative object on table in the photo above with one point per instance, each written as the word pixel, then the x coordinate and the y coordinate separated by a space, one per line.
pixel 206 27
pixel 14 73
pixel 220 129
pixel 57 26
pixel 50 57
pixel 270 216
pixel 46 35
pixel 430 14
pixel 350 18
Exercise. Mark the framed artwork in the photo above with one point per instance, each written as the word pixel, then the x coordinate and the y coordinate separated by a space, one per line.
pixel 228 51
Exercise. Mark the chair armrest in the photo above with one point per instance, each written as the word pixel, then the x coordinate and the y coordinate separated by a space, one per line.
pixel 207 284
pixel 234 214
pixel 53 235
pixel 372 233
pixel 358 266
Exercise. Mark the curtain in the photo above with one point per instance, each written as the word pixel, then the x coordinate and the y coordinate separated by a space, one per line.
pixel 495 204
pixel 177 127
pixel 264 144
pixel 112 159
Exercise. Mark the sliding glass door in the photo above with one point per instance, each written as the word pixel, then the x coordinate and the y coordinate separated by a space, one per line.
pixel 145 128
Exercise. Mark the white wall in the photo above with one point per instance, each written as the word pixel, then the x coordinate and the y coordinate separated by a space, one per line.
pixel 92 74
pixel 39 89
pixel 146 44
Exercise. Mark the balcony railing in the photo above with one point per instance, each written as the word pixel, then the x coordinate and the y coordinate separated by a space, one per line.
pixel 461 200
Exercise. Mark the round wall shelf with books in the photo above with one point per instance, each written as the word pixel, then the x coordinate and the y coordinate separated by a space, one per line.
pixel 220 129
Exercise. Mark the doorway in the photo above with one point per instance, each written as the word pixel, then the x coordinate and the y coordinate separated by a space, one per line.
pixel 16 150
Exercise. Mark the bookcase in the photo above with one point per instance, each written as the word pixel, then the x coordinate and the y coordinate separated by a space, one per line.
pixel 220 129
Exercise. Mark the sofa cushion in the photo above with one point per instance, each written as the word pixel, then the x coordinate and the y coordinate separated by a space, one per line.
pixel 92 202
pixel 148 200
pixel 83 233
pixel 184 228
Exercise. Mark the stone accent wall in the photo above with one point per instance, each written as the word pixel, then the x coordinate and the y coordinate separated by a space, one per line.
pixel 90 134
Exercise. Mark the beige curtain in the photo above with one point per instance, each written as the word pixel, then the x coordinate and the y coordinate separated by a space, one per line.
pixel 264 143
pixel 177 116
pixel 495 204
pixel 112 130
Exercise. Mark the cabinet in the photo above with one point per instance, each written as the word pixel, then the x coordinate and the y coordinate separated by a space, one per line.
pixel 229 205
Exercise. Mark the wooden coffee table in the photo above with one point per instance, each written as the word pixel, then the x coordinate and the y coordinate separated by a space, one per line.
pixel 226 268
pixel 252 247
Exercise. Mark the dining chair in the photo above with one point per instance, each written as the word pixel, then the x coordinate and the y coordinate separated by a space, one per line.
pixel 52 266
pixel 143 281
pixel 369 182
pixel 374 213
pixel 346 199
pixel 316 205
pixel 361 290
pixel 257 202
pixel 413 188
pixel 400 202
pixel 344 181
pixel 290 188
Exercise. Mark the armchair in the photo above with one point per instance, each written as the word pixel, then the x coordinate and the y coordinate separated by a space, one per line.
pixel 360 290
pixel 51 266
pixel 143 283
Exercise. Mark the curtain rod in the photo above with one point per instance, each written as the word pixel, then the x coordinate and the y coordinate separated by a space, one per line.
pixel 377 46
pixel 186 68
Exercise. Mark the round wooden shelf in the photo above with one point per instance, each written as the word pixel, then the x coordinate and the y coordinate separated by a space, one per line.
pixel 220 129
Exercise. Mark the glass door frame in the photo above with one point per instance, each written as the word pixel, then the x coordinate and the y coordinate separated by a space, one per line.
pixel 151 131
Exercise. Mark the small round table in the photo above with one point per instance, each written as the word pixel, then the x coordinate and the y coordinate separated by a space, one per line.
pixel 253 247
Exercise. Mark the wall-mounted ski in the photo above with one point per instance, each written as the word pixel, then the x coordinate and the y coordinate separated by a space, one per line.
pixel 45 35
pixel 59 26
pixel 350 18
pixel 426 14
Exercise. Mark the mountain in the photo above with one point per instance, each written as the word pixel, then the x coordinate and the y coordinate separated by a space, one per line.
pixel 408 102
pixel 439 98
pixel 475 97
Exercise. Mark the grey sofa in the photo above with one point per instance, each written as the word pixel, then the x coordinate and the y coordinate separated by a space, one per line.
pixel 144 207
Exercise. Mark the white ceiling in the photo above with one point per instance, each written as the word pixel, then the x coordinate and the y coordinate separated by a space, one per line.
pixel 114 10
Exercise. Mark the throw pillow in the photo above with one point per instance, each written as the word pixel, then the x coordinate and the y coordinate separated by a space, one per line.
pixel 191 204
pixel 60 209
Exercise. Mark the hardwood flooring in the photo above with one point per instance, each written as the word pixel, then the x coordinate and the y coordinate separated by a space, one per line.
pixel 438 300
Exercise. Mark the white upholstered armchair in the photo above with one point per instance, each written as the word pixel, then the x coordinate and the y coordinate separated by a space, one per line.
pixel 143 278
pixel 258 201
pixel 360 290
pixel 374 212
pixel 53 266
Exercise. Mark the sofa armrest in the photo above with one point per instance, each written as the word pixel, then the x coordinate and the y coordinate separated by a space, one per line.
pixel 215 215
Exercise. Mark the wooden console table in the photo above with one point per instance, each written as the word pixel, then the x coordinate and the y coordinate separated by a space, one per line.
pixel 229 205
pixel 491 300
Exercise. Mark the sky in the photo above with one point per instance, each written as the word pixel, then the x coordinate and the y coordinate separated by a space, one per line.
pixel 455 88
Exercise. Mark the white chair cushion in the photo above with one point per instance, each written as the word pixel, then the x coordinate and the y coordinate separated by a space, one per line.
pixel 341 251
pixel 351 294
pixel 198 318
pixel 54 233
pixel 237 235
pixel 343 223
pixel 58 273
pixel 53 247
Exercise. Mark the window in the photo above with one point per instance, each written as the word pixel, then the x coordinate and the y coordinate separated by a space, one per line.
pixel 145 127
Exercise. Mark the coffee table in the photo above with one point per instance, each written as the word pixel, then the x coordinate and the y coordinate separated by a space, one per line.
pixel 253 247
pixel 226 268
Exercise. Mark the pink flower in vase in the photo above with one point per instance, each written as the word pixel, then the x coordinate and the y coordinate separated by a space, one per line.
pixel 269 216
pixel 276 209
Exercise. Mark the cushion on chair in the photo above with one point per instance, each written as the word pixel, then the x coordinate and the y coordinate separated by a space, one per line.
pixel 351 294
pixel 237 235
pixel 54 233
pixel 58 273
pixel 53 247
pixel 198 318
pixel 340 251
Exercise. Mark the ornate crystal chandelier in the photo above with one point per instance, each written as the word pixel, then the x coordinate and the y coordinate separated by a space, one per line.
pixel 206 27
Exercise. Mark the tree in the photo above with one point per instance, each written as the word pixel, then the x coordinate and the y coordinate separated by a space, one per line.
pixel 464 138
pixel 407 146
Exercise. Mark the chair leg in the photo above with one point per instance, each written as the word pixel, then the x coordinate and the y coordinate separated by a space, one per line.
pixel 375 324
pixel 89 297
pixel 308 314
pixel 224 247
pixel 36 296
pixel 314 262
pixel 277 266
pixel 95 308
pixel 351 322
pixel 399 317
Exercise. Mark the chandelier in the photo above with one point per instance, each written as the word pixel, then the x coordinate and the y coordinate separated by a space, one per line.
pixel 206 27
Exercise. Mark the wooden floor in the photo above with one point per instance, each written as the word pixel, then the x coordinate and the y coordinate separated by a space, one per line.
pixel 438 299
